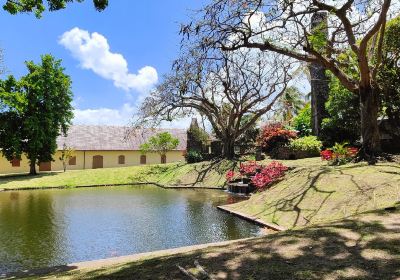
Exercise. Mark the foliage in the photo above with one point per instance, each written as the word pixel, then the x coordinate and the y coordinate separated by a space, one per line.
pixel 193 156
pixel 249 168
pixel 260 176
pixel 66 155
pixel 274 135
pixel 339 154
pixel 343 123
pixel 389 75
pixel 290 103
pixel 308 144
pixel 36 110
pixel 249 137
pixel 302 122
pixel 161 143
pixel 268 175
pixel 38 7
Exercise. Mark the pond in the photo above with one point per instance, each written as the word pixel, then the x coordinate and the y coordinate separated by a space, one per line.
pixel 54 227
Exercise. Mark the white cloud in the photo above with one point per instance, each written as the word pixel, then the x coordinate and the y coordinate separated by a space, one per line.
pixel 104 116
pixel 93 52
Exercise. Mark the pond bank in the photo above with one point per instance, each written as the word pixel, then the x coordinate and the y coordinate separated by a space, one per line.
pixel 366 245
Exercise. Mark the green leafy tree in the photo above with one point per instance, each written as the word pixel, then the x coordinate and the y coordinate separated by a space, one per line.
pixel 389 76
pixel 302 122
pixel 39 6
pixel 160 143
pixel 66 155
pixel 34 111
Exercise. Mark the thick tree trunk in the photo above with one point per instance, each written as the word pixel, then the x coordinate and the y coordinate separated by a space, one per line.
pixel 369 104
pixel 228 148
pixel 319 80
pixel 32 170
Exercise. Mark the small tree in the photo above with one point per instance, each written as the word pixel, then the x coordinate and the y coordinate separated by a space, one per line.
pixel 66 155
pixel 160 143
pixel 35 111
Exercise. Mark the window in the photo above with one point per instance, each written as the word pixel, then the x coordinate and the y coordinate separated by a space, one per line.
pixel 121 159
pixel 15 162
pixel 163 159
pixel 72 161
pixel 45 166
pixel 143 159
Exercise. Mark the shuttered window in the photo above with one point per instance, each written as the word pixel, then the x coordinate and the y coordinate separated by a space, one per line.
pixel 15 162
pixel 143 159
pixel 121 159
pixel 163 159
pixel 72 161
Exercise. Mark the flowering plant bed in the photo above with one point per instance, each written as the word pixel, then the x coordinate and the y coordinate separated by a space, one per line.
pixel 259 177
pixel 339 154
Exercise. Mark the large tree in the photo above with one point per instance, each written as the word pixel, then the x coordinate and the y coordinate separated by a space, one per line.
pixel 34 111
pixel 225 87
pixel 39 6
pixel 284 27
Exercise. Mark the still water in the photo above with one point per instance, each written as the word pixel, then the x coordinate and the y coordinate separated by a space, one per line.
pixel 54 227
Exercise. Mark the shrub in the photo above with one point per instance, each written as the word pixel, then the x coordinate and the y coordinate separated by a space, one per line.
pixel 302 122
pixel 249 168
pixel 260 176
pixel 275 135
pixel 339 154
pixel 193 156
pixel 309 145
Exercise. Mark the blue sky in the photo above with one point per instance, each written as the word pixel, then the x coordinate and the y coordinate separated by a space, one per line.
pixel 143 34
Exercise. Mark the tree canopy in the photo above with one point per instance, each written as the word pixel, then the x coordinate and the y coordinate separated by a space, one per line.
pixel 34 111
pixel 160 143
pixel 284 27
pixel 39 6
pixel 222 86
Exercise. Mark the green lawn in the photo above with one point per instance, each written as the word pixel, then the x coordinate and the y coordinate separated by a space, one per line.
pixel 179 174
pixel 363 247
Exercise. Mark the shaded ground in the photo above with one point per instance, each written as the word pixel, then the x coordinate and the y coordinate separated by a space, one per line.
pixel 363 247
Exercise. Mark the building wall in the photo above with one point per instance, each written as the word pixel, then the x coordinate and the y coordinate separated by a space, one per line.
pixel 84 160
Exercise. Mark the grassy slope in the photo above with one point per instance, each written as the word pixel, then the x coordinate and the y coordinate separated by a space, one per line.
pixel 314 192
pixel 364 247
pixel 198 175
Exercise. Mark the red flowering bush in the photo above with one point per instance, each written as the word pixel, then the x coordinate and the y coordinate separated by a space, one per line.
pixel 269 174
pixel 230 176
pixel 249 168
pixel 339 154
pixel 260 176
pixel 275 135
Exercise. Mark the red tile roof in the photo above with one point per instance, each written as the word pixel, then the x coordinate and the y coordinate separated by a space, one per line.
pixel 113 138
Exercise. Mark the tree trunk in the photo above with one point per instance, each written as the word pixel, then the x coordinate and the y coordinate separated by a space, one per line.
pixel 229 148
pixel 32 170
pixel 369 105
pixel 319 80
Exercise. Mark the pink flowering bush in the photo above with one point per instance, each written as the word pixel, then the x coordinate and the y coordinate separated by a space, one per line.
pixel 339 154
pixel 249 168
pixel 259 176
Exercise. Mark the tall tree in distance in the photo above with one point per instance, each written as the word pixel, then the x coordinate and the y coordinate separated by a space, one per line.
pixel 225 87
pixel 34 111
pixel 39 6
pixel 318 79
pixel 289 104
pixel 284 27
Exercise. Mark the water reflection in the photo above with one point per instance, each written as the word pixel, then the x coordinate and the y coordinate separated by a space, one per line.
pixel 53 227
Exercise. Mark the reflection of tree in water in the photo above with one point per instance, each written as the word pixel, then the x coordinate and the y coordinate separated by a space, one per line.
pixel 28 232
pixel 204 218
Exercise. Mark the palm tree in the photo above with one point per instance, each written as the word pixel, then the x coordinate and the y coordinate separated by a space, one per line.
pixel 289 104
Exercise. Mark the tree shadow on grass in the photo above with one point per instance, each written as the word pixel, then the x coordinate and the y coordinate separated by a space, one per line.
pixel 4 179
pixel 366 247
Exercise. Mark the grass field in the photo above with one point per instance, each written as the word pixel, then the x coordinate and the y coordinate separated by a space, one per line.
pixel 362 247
